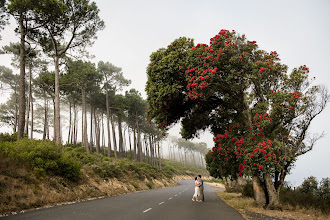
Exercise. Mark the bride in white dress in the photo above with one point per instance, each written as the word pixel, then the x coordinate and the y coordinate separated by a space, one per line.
pixel 197 191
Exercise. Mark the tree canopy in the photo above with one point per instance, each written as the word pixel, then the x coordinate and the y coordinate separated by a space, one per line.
pixel 258 113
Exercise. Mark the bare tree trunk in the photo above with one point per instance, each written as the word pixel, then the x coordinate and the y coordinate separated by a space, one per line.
pixel 273 194
pixel 135 143
pixel 29 100
pixel 151 150
pixel 91 141
pixel 16 110
pixel 159 157
pixel 103 137
pixel 32 118
pixel 113 135
pixel 82 127
pixel 70 120
pixel 45 119
pixel 85 138
pixel 130 143
pixel 22 100
pixel 258 191
pixel 97 132
pixel 146 157
pixel 74 133
pixel 108 123
pixel 121 150
pixel 139 146
pixel 57 118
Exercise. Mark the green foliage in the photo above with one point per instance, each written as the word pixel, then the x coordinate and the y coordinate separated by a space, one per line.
pixel 308 195
pixel 150 184
pixel 43 157
pixel 165 86
pixel 5 137
pixel 135 184
pixel 309 185
pixel 247 189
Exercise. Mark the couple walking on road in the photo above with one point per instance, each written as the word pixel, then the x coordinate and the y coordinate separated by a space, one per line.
pixel 199 189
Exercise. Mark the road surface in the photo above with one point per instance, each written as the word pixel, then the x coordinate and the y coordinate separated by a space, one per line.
pixel 168 203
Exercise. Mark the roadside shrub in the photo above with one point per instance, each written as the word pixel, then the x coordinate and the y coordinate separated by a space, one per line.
pixel 150 184
pixel 247 190
pixel 106 170
pixel 43 157
pixel 308 195
pixel 4 137
pixel 135 184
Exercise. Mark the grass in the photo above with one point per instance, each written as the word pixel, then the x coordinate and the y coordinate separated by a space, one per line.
pixel 213 180
pixel 236 200
pixel 245 205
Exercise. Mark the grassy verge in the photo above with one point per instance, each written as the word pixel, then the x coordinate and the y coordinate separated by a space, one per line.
pixel 246 207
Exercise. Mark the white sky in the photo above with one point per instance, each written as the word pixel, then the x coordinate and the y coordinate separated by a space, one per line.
pixel 298 30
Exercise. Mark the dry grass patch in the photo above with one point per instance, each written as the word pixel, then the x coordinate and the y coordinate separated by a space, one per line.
pixel 246 205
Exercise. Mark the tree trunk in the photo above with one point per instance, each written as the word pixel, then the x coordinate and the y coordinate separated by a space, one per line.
pixel 74 133
pixel 85 138
pixel 97 133
pixel 57 118
pixel 16 110
pixel 146 150
pixel 139 146
pixel 70 120
pixel 91 141
pixel 130 144
pixel 103 137
pixel 159 157
pixel 273 194
pixel 108 123
pixel 82 127
pixel 113 135
pixel 32 118
pixel 135 143
pixel 150 147
pixel 121 147
pixel 22 100
pixel 29 100
pixel 45 119
pixel 258 191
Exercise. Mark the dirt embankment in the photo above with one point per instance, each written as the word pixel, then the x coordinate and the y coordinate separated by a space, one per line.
pixel 25 191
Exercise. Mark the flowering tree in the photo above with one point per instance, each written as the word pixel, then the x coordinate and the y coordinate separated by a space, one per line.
pixel 258 113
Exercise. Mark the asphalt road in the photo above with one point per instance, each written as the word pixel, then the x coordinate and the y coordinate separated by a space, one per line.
pixel 168 203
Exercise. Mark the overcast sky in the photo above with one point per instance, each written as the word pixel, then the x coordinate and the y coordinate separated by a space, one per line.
pixel 298 30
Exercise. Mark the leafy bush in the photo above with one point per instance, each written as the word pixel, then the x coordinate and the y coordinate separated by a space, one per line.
pixel 247 190
pixel 150 184
pixel 43 157
pixel 308 195
pixel 4 137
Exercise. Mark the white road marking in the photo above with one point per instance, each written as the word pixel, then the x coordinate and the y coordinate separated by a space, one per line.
pixel 170 198
pixel 175 195
pixel 161 203
pixel 147 210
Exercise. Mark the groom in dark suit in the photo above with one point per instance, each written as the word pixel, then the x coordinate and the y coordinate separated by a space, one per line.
pixel 201 188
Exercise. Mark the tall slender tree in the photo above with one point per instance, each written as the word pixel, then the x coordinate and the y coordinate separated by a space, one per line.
pixel 84 76
pixel 65 25
pixel 113 81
